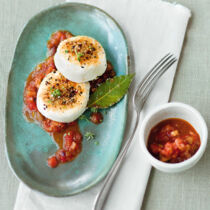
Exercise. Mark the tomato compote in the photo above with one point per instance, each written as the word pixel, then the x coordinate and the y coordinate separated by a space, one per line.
pixel 66 135
pixel 173 140
pixel 58 130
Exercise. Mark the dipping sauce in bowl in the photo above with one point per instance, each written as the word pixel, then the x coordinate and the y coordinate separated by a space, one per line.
pixel 173 140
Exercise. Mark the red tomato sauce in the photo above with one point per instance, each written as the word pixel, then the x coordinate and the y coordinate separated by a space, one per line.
pixel 173 140
pixel 63 133
pixel 60 132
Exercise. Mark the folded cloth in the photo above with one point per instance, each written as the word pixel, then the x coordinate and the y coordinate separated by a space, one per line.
pixel 153 28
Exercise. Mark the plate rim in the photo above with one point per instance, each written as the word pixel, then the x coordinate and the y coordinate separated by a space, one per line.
pixel 128 65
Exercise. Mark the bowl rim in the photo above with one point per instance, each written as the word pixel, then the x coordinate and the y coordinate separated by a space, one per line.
pixel 187 162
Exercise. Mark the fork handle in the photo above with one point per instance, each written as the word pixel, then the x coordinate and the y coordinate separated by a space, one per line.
pixel 101 197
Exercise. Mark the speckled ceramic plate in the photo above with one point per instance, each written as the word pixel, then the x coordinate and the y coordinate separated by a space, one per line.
pixel 28 146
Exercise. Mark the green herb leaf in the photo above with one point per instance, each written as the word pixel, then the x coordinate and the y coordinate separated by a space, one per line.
pixel 83 117
pixel 56 93
pixel 89 135
pixel 110 92
pixel 79 55
pixel 94 109
pixel 96 143
pixel 66 51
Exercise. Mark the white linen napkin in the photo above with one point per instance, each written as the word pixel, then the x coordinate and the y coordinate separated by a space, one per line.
pixel 153 28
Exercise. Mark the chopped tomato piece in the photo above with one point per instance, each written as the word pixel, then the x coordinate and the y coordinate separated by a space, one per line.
pixel 61 155
pixel 53 126
pixel 78 137
pixel 52 162
pixel 64 155
pixel 31 104
pixel 55 40
pixel 96 117
pixel 154 148
pixel 68 140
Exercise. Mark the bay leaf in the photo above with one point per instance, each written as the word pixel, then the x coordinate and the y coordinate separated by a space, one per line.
pixel 110 92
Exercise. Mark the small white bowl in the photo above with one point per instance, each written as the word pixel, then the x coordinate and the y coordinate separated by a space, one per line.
pixel 174 110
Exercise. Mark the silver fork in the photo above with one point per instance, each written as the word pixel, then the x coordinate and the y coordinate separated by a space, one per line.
pixel 139 98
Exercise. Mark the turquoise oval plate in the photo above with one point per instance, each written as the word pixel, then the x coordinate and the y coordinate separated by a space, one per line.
pixel 28 146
